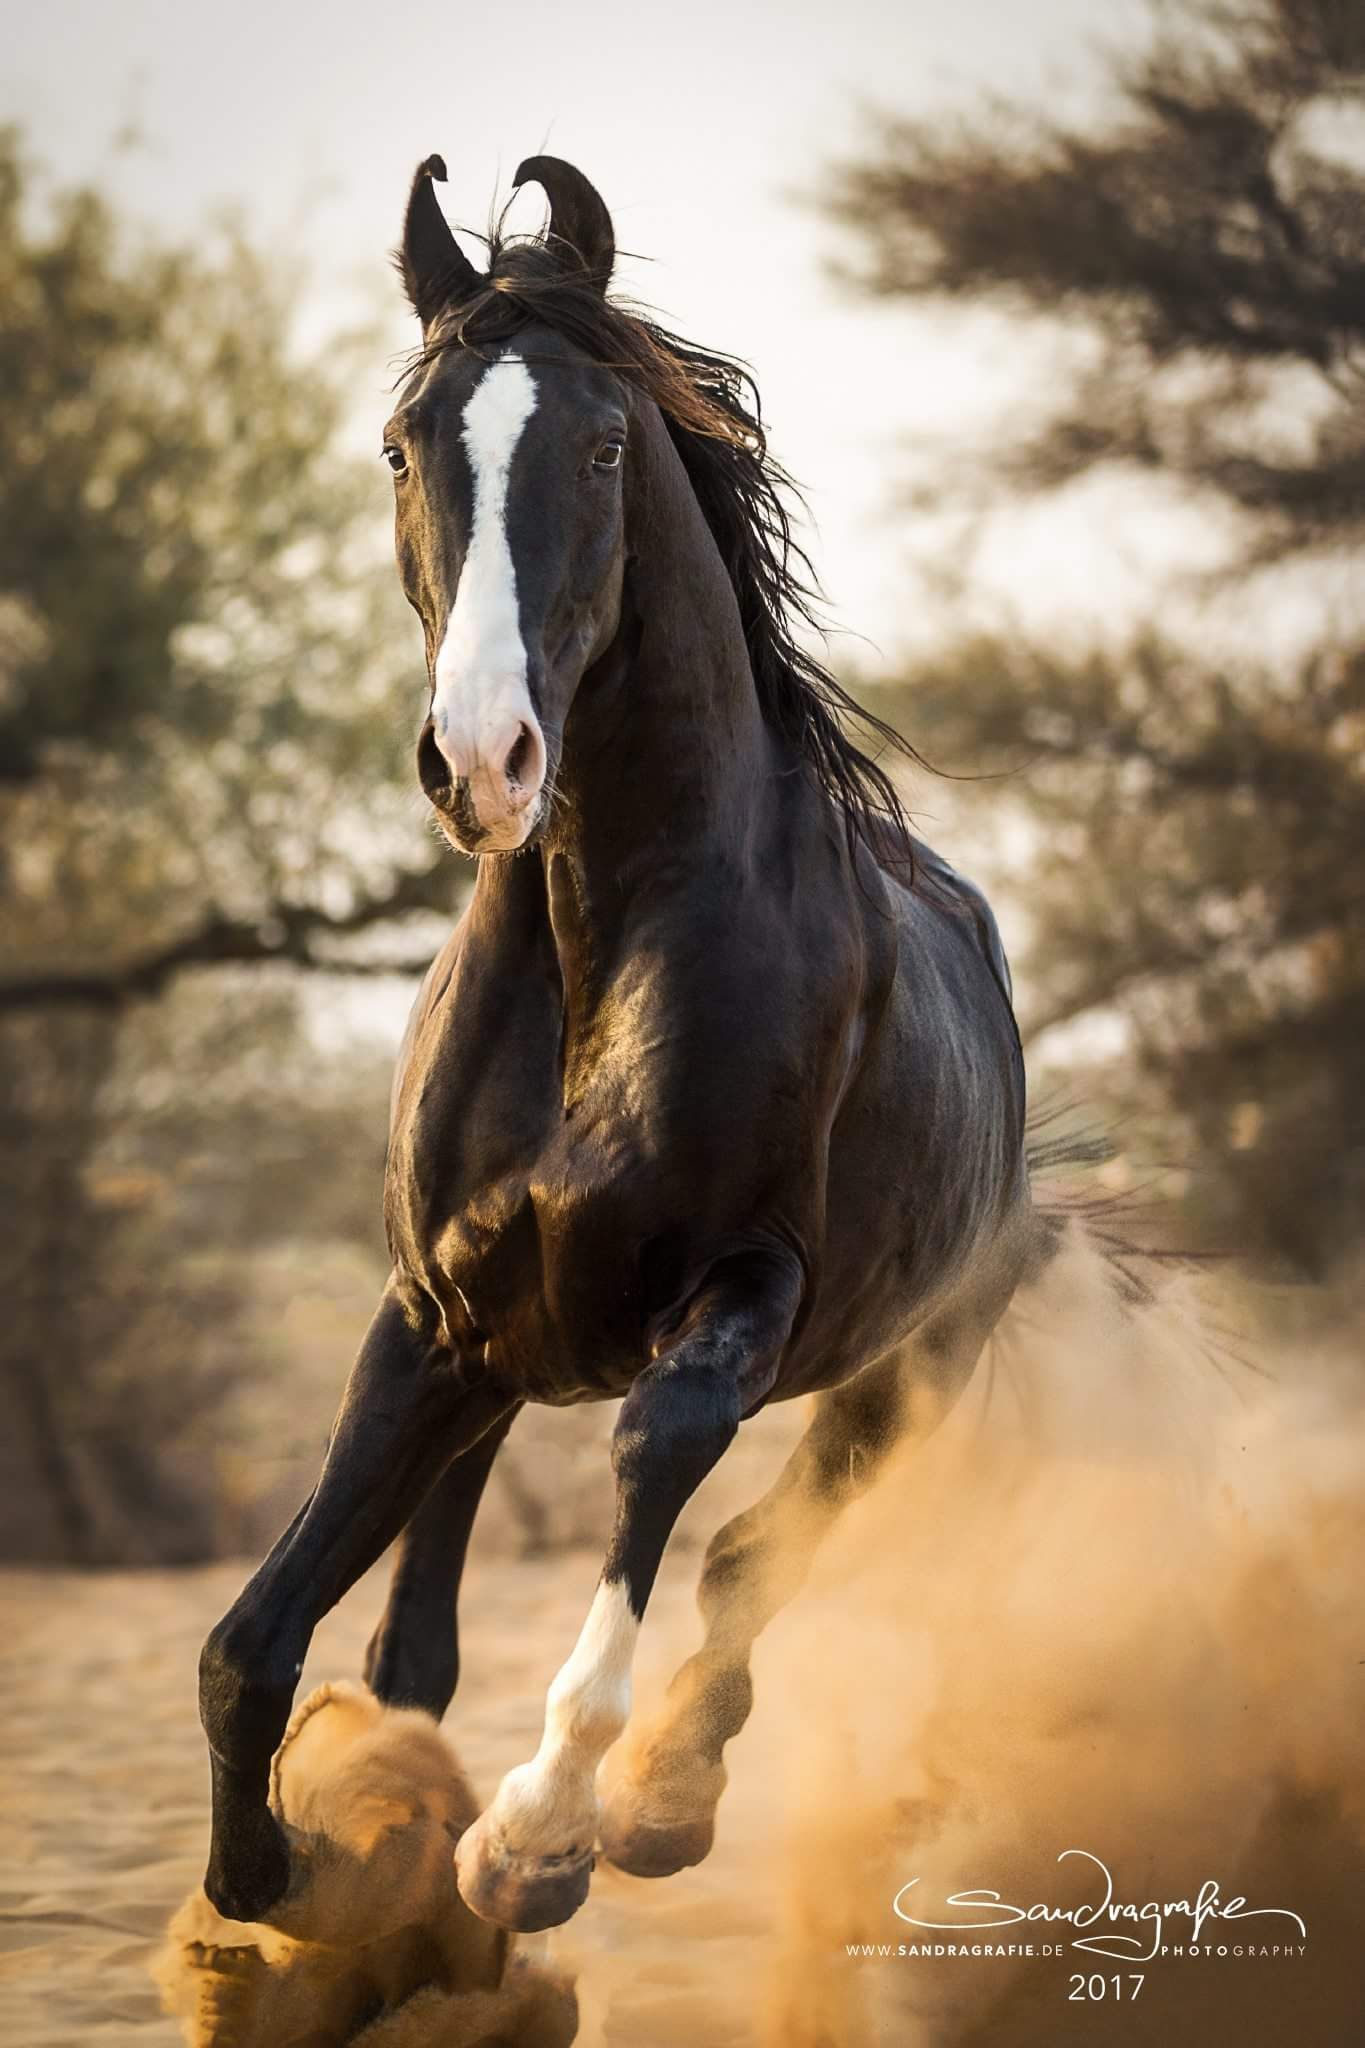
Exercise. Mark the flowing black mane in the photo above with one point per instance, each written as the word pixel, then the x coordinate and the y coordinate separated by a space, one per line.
pixel 711 406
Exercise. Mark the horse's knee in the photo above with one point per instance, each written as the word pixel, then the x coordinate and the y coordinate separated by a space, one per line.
pixel 730 1559
pixel 246 1688
pixel 675 1435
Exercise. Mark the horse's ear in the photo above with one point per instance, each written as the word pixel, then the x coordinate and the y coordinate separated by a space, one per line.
pixel 579 221
pixel 434 268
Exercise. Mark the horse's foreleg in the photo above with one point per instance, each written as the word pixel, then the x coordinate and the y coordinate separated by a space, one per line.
pixel 526 1862
pixel 414 1655
pixel 661 1815
pixel 405 1414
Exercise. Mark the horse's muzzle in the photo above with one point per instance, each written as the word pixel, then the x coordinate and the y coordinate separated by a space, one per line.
pixel 488 799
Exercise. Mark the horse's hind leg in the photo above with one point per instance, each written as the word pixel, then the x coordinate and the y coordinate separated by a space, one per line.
pixel 406 1412
pixel 414 1655
pixel 661 1816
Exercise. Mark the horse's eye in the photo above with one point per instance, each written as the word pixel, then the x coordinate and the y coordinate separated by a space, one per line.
pixel 396 459
pixel 609 455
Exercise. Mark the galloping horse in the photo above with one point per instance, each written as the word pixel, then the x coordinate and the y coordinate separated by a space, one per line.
pixel 713 1097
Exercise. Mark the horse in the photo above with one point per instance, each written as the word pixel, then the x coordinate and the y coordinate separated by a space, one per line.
pixel 714 1096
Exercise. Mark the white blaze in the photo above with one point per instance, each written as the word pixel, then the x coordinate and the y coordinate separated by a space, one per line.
pixel 481 701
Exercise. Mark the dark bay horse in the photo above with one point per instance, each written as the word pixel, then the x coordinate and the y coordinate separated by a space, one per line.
pixel 714 1097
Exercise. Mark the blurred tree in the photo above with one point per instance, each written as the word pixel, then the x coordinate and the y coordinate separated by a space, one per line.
pixel 1197 819
pixel 207 706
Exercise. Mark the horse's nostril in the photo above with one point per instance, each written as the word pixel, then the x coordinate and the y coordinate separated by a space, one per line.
pixel 433 769
pixel 516 760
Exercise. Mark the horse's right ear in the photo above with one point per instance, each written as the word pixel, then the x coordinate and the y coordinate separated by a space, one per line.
pixel 434 269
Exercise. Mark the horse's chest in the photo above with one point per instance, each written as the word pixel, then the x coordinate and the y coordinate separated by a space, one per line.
pixel 523 1220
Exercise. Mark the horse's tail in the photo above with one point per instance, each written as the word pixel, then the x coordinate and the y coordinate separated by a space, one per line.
pixel 1108 1276
pixel 1083 1189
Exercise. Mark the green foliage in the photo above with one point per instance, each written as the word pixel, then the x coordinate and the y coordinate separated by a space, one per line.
pixel 208 696
pixel 1206 243
pixel 208 685
pixel 1194 819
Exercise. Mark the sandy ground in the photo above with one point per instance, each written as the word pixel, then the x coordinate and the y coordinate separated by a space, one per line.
pixel 1111 1606
pixel 105 1813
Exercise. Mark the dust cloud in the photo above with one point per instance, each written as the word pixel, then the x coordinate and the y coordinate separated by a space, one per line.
pixel 1111 1606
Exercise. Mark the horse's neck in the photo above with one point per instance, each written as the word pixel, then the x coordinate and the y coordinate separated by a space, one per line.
pixel 667 759
pixel 665 790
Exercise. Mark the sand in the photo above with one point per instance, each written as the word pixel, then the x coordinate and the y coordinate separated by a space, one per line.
pixel 1113 1604
pixel 105 1812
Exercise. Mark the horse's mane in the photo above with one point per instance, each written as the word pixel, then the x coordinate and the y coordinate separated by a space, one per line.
pixel 711 407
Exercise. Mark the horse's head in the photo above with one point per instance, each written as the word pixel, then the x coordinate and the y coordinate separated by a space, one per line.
pixel 508 449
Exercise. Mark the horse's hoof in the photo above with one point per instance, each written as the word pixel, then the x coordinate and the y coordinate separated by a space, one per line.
pixel 523 1893
pixel 654 1848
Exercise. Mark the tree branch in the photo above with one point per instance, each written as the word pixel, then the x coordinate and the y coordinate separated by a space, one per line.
pixel 287 933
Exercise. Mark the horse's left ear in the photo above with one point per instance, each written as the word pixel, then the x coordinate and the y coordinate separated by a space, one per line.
pixel 435 270
pixel 579 220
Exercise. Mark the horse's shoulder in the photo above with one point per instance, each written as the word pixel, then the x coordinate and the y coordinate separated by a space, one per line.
pixel 434 984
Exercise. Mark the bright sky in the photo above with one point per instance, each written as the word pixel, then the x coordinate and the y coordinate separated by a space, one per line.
pixel 700 124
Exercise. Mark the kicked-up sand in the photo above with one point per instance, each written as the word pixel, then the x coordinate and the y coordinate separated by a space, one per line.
pixel 104 1823
pixel 1113 1606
